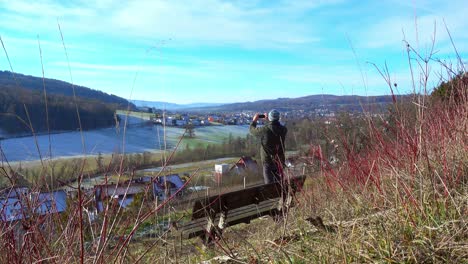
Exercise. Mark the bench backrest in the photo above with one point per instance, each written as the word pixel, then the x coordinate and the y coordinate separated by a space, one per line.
pixel 233 200
pixel 239 206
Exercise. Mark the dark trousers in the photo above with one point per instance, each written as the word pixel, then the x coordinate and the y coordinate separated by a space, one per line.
pixel 271 173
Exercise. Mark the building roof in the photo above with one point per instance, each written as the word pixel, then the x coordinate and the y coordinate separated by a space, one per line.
pixel 107 190
pixel 174 180
pixel 244 163
pixel 17 207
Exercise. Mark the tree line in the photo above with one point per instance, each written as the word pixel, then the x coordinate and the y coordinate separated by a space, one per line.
pixel 59 87
pixel 23 111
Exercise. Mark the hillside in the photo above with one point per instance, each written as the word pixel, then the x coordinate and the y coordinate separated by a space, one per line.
pixel 58 87
pixel 397 194
pixel 331 102
pixel 16 120
pixel 24 106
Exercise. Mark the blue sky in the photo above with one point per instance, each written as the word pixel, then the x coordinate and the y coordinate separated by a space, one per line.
pixel 230 51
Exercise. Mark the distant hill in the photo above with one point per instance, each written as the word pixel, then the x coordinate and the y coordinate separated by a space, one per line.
pixel 306 103
pixel 172 106
pixel 24 106
pixel 331 102
pixel 60 88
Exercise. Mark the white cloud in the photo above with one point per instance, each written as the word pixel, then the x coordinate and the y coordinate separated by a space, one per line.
pixel 419 31
pixel 106 41
pixel 349 80
pixel 28 43
pixel 211 22
pixel 149 70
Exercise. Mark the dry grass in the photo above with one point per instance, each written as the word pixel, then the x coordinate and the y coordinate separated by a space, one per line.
pixel 354 231
pixel 403 199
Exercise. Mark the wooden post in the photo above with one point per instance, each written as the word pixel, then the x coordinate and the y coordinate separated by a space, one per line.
pixel 222 220
pixel 210 228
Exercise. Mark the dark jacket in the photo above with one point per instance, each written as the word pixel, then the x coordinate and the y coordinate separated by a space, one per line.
pixel 272 136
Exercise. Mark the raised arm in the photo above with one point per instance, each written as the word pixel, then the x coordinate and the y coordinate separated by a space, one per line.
pixel 254 130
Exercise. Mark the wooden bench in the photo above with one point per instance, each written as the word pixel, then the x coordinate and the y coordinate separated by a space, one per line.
pixel 211 215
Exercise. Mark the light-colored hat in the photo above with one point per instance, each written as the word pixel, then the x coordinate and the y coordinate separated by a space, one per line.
pixel 273 115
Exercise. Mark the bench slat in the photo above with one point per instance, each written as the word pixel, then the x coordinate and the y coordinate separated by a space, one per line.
pixel 234 214
pixel 239 207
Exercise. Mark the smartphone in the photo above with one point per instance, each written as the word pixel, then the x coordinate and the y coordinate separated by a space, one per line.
pixel 261 116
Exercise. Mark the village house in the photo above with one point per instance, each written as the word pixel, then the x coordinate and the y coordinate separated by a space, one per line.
pixel 195 122
pixel 165 186
pixel 180 122
pixel 20 203
pixel 244 165
pixel 123 193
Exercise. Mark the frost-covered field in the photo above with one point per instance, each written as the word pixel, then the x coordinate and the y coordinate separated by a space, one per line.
pixel 112 140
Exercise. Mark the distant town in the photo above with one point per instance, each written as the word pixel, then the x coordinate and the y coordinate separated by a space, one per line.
pixel 182 119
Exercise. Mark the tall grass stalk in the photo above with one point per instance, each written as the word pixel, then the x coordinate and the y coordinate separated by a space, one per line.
pixel 402 197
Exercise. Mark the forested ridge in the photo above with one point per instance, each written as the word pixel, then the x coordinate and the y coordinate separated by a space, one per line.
pixel 20 108
pixel 346 103
pixel 23 105
pixel 8 79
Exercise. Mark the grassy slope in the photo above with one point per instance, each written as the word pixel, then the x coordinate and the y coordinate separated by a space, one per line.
pixel 380 207
pixel 404 200
pixel 355 231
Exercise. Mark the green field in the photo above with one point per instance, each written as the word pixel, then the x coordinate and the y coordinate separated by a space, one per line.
pixel 142 115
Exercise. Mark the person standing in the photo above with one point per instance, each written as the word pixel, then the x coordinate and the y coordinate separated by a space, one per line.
pixel 272 136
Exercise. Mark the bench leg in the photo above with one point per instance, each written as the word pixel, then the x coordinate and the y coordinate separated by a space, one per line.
pixel 209 235
pixel 284 204
pixel 222 221
pixel 213 232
